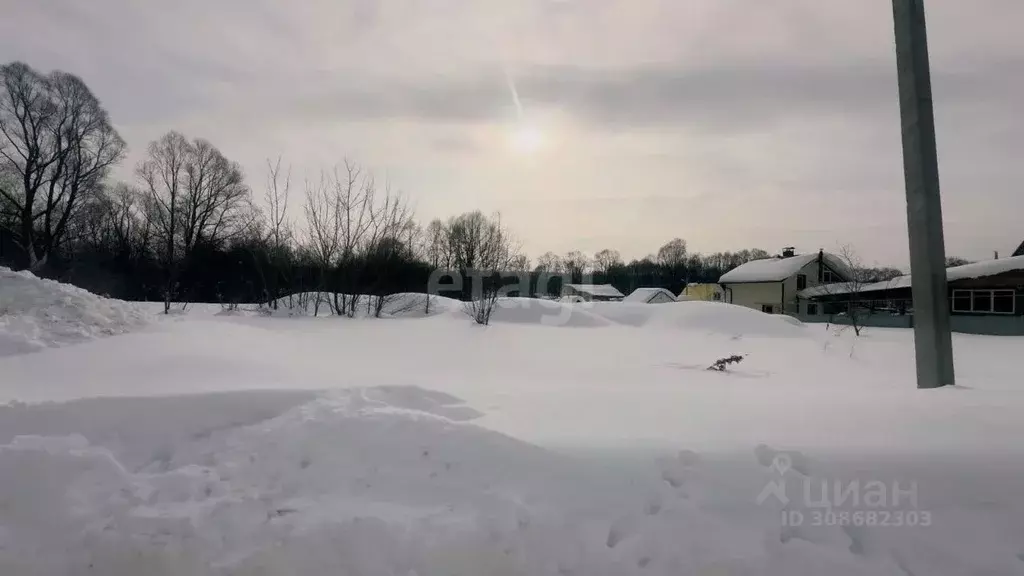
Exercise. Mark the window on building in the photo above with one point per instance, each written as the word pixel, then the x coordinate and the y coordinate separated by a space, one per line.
pixel 829 277
pixel 767 309
pixel 832 308
pixel 812 309
pixel 1003 301
pixel 984 301
pixel 801 281
pixel 961 300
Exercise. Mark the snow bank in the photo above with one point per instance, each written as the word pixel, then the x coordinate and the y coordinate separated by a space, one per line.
pixel 698 316
pixel 702 316
pixel 626 313
pixel 722 318
pixel 389 480
pixel 544 313
pixel 513 310
pixel 402 304
pixel 36 313
pixel 695 316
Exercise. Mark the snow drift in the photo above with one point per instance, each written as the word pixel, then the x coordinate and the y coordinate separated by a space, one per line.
pixel 574 468
pixel 386 480
pixel 545 313
pixel 36 313
pixel 399 305
pixel 698 316
pixel 727 319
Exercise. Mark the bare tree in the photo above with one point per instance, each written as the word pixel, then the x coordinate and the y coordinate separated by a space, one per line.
pixel 757 254
pixel 483 248
pixel 435 245
pixel 882 274
pixel 576 264
pixel 856 278
pixel 350 220
pixel 323 224
pixel 56 146
pixel 194 197
pixel 673 253
pixel 519 263
pixel 131 228
pixel 436 250
pixel 216 199
pixel 278 190
pixel 163 175
pixel 607 259
pixel 278 231
pixel 354 194
pixel 388 241
pixel 549 262
pixel 111 221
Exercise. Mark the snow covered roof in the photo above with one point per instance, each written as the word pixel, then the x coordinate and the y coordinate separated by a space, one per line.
pixel 985 268
pixel 975 270
pixel 606 290
pixel 848 287
pixel 777 269
pixel 645 295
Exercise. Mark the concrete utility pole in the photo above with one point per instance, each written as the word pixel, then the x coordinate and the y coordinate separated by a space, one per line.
pixel 932 342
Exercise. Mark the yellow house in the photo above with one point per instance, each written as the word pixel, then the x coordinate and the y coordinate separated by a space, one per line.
pixel 709 292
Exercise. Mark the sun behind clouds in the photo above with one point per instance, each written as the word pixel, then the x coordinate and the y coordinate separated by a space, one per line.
pixel 527 140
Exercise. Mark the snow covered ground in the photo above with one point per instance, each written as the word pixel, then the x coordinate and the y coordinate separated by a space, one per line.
pixel 563 439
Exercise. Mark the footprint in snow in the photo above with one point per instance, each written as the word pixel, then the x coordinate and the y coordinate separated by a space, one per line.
pixel 676 471
pixel 856 535
pixel 674 477
pixel 618 532
pixel 782 460
pixel 688 458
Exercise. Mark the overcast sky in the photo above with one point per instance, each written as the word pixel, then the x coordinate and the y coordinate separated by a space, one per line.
pixel 730 123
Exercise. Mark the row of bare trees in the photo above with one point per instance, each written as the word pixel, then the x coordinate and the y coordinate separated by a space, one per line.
pixel 351 222
pixel 187 210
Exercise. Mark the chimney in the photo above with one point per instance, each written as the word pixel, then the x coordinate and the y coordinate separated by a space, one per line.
pixel 788 252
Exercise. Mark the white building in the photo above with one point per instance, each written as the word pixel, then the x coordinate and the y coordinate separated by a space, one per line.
pixel 592 292
pixel 650 296
pixel 771 284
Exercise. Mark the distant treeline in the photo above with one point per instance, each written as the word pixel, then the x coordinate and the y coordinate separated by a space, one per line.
pixel 249 270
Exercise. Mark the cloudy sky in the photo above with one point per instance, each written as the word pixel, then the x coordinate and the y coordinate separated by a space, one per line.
pixel 730 123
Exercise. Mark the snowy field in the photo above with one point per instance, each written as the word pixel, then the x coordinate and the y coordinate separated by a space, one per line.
pixel 564 439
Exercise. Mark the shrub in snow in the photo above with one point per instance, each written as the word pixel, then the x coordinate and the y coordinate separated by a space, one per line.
pixel 721 364
pixel 480 307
